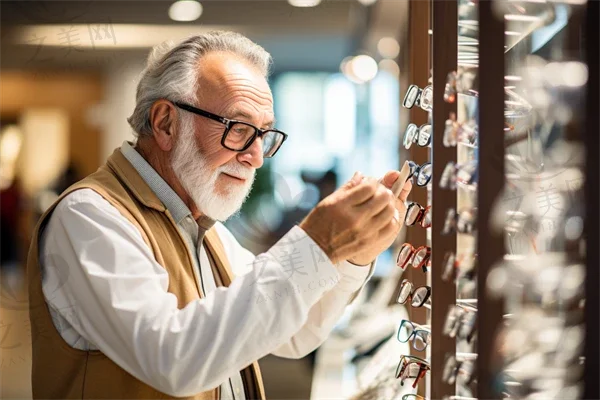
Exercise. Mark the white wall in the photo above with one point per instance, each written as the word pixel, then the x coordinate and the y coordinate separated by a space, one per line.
pixel 121 79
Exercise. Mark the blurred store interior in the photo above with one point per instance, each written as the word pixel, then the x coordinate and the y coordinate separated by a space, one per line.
pixel 68 75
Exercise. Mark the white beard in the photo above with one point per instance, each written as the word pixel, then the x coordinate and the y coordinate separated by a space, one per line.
pixel 199 181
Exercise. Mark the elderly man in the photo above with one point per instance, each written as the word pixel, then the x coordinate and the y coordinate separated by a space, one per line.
pixel 138 292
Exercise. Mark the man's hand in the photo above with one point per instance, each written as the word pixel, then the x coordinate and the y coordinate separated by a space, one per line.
pixel 359 217
pixel 390 180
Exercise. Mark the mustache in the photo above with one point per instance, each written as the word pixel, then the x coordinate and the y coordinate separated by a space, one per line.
pixel 237 170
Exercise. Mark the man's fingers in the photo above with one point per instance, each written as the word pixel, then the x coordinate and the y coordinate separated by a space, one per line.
pixel 362 192
pixel 406 188
pixel 390 178
pixel 383 217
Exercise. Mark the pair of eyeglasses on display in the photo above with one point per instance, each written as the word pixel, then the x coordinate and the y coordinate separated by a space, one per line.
pixel 465 222
pixel 463 174
pixel 416 296
pixel 460 322
pixel 457 268
pixel 238 135
pixel 465 133
pixel 420 174
pixel 420 135
pixel 458 371
pixel 411 367
pixel 460 82
pixel 408 330
pixel 416 213
pixel 416 96
pixel 547 280
pixel 417 258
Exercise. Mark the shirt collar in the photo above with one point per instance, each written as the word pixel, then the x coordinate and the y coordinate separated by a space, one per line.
pixel 163 191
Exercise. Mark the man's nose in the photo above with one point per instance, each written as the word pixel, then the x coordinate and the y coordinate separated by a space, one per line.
pixel 253 155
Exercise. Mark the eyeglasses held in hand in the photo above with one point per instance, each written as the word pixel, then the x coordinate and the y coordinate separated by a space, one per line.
pixel 417 297
pixel 416 213
pixel 239 136
pixel 420 337
pixel 411 367
pixel 418 258
pixel 420 135
pixel 419 97
pixel 421 174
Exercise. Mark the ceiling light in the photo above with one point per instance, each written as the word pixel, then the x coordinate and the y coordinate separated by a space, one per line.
pixel 391 67
pixel 304 3
pixel 363 67
pixel 388 47
pixel 185 10
pixel 366 2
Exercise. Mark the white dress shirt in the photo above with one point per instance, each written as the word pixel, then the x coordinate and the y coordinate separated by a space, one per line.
pixel 106 291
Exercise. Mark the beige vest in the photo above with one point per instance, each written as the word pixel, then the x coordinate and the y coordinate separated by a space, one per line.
pixel 62 372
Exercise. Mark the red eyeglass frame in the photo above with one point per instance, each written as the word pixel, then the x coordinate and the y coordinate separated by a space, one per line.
pixel 413 252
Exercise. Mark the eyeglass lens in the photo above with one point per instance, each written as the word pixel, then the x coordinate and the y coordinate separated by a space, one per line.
pixel 240 134
pixel 412 215
pixel 426 100
pixel 404 255
pixel 419 297
pixel 410 135
pixel 424 137
pixel 405 331
pixel 405 290
pixel 411 96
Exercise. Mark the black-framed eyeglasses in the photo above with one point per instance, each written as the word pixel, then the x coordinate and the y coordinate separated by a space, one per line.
pixel 416 296
pixel 419 97
pixel 421 174
pixel 239 135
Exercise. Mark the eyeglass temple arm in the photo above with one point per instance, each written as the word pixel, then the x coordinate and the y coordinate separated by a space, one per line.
pixel 422 372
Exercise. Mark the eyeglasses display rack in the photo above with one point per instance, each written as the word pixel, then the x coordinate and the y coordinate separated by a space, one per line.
pixel 498 280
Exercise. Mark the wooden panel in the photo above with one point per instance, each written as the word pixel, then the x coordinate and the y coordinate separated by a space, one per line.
pixel 445 47
pixel 490 244
pixel 419 23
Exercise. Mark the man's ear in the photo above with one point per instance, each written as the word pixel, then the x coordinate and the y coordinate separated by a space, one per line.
pixel 163 119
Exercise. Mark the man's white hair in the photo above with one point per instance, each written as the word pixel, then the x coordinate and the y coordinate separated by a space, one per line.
pixel 172 71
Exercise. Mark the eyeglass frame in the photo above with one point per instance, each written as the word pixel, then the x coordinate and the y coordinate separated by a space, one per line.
pixel 466 174
pixel 456 329
pixel 420 216
pixel 454 269
pixel 413 252
pixel 415 172
pixel 403 365
pixel 426 339
pixel 411 293
pixel 413 127
pixel 415 99
pixel 228 124
pixel 453 368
